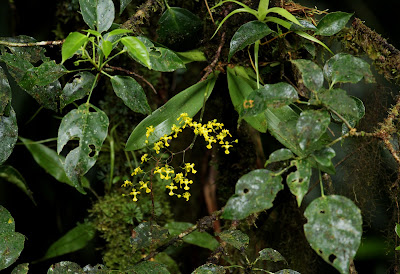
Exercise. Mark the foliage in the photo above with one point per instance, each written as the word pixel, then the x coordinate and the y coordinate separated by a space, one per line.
pixel 299 98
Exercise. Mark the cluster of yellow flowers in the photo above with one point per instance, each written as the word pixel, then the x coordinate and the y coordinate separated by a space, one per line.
pixel 212 132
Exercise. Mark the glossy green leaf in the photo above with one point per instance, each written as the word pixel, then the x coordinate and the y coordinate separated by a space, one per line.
pixel 21 269
pixel 270 95
pixel 5 91
pixel 179 28
pixel 119 31
pixel 137 49
pixel 13 176
pixel 77 89
pixel 338 100
pixel 45 95
pixel 149 267
pixel 146 234
pixel 65 267
pixel 43 75
pixel 239 89
pixel 287 271
pixel 312 39
pixel 332 23
pixel 8 135
pixel 304 25
pixel 346 68
pixel 269 254
pixel 262 9
pixel 75 239
pixel 334 229
pixel 189 101
pixel 202 239
pixel 123 5
pixel 91 129
pixel 194 55
pixel 353 120
pixel 254 192
pixel 299 180
pixel 98 14
pixel 285 14
pixel 72 44
pixel 11 242
pixel 324 156
pixel 278 21
pixel 246 35
pixel 131 93
pixel 106 47
pixel 282 154
pixel 397 230
pixel 209 269
pixel 311 125
pixel 311 73
pixel 236 238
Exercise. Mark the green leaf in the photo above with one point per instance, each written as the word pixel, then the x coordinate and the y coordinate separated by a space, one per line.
pixel 338 100
pixel 45 74
pixel 312 39
pixel 194 55
pixel 397 230
pixel 285 14
pixel 137 49
pixel 332 23
pixel 189 101
pixel 98 14
pixel 106 47
pixel 72 44
pixel 299 180
pixel 21 269
pixel 278 21
pixel 75 239
pixel 11 242
pixel 345 68
pixel 246 35
pixel 91 129
pixel 311 125
pixel 77 89
pixel 131 93
pixel 334 229
pixel 236 238
pixel 5 91
pixel 147 234
pixel 119 31
pixel 270 95
pixel 282 154
pixel 324 156
pixel 254 192
pixel 65 267
pixel 149 267
pixel 269 254
pixel 30 54
pixel 262 9
pixel 13 176
pixel 179 28
pixel 353 120
pixel 239 89
pixel 8 135
pixel 311 73
pixel 287 271
pixel 304 25
pixel 209 269
pixel 202 239
pixel 123 4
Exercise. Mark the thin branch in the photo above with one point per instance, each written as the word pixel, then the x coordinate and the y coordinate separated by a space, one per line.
pixel 209 11
pixel 32 44
pixel 134 74
pixel 209 69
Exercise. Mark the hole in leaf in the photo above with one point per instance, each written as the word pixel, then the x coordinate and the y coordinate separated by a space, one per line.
pixel 320 251
pixel 93 150
pixel 246 190
pixel 322 211
pixel 332 258
pixel 301 180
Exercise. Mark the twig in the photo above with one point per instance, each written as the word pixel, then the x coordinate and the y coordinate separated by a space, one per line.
pixel 142 13
pixel 134 74
pixel 32 44
pixel 211 66
pixel 209 11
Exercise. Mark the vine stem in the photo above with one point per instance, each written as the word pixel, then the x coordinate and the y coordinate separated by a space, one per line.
pixel 32 44
pixel 321 184
pixel 92 88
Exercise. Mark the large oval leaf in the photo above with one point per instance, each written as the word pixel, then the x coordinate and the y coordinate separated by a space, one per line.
pixel 332 23
pixel 72 44
pixel 338 100
pixel 137 49
pixel 75 239
pixel 98 14
pixel 179 28
pixel 254 192
pixel 246 35
pixel 311 73
pixel 77 89
pixel 190 101
pixel 311 125
pixel 91 129
pixel 131 93
pixel 8 135
pixel 334 230
pixel 282 154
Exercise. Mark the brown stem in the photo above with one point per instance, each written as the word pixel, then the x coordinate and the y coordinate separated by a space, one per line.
pixel 211 66
pixel 32 44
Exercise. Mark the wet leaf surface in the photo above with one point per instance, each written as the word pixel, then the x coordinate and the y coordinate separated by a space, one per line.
pixel 5 91
pixel 21 269
pixel 209 269
pixel 77 89
pixel 338 100
pixel 332 23
pixel 310 126
pixel 65 267
pixel 98 14
pixel 148 234
pixel 8 135
pixel 149 267
pixel 254 192
pixel 299 180
pixel 72 44
pixel 282 154
pixel 269 254
pixel 312 75
pixel 137 49
pixel 334 229
pixel 236 238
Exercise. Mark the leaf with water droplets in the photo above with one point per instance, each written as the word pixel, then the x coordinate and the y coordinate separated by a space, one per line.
pixel 282 154
pixel 123 4
pixel 338 100
pixel 310 126
pixel 77 89
pixel 254 192
pixel 147 234
pixel 91 128
pixel 98 13
pixel 332 23
pixel 209 269
pixel 65 267
pixel 21 269
pixel 299 180
pixel 5 91
pixel 311 73
pixel 334 229
pixel 236 238
pixel 269 254
pixel 8 135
